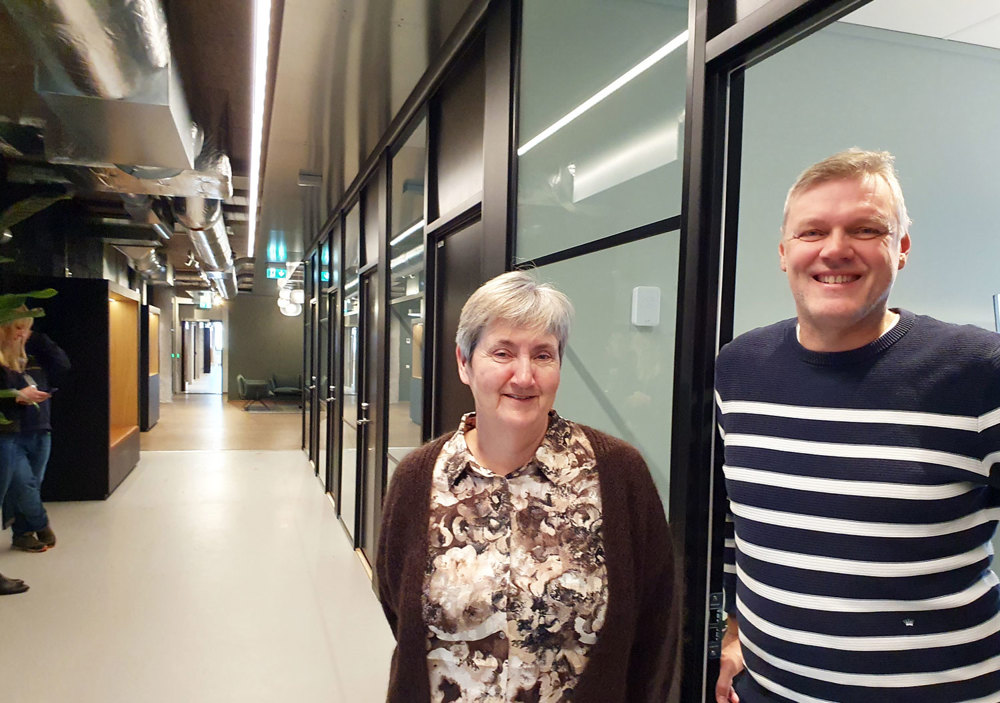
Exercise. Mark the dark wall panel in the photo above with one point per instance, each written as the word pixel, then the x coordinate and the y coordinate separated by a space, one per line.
pixel 458 260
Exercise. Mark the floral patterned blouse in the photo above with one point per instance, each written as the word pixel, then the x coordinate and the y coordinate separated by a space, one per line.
pixel 515 590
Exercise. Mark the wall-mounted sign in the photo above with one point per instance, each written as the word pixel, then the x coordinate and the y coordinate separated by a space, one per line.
pixel 277 271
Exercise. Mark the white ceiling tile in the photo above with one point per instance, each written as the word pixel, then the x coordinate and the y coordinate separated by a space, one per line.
pixel 985 33
pixel 932 18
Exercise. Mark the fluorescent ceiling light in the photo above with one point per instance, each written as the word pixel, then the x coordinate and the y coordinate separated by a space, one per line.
pixel 406 233
pixel 607 90
pixel 261 36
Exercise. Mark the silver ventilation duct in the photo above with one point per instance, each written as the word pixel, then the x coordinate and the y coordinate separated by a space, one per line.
pixel 140 209
pixel 202 217
pixel 146 262
pixel 104 69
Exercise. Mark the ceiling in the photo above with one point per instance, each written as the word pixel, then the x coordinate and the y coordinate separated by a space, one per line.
pixel 967 21
pixel 340 70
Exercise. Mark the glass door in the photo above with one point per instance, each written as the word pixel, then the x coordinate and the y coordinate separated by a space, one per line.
pixel 313 387
pixel 349 348
pixel 370 468
pixel 332 429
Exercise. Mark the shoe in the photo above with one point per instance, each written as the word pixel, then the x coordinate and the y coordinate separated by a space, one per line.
pixel 9 587
pixel 28 543
pixel 46 536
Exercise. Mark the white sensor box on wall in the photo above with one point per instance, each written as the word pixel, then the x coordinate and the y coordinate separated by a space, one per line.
pixel 646 306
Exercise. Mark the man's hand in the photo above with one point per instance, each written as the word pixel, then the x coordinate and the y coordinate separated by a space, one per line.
pixel 731 663
pixel 29 395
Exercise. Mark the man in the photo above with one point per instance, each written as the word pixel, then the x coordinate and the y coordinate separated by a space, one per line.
pixel 858 446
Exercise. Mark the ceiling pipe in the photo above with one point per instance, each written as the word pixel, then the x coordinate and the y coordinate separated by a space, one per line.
pixel 202 217
pixel 146 262
pixel 140 208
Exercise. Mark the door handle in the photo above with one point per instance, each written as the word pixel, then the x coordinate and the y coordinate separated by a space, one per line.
pixel 331 399
pixel 311 388
pixel 363 421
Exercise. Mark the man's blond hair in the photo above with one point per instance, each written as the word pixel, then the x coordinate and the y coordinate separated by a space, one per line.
pixel 856 164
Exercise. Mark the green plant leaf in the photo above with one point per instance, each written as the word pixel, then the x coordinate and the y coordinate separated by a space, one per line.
pixel 11 314
pixel 23 209
pixel 13 300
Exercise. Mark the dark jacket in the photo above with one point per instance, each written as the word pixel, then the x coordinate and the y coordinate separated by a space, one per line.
pixel 46 361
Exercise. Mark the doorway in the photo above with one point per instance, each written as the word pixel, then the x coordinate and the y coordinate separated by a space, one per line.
pixel 202 347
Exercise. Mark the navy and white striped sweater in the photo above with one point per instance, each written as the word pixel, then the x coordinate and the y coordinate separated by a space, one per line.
pixel 862 510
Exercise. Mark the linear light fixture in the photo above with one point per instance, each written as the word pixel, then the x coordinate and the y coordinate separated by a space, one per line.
pixel 261 37
pixel 406 233
pixel 607 90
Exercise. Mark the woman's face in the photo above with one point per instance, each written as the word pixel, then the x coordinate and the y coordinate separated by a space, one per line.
pixel 18 331
pixel 514 375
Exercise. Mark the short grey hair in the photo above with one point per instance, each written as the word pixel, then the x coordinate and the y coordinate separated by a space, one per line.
pixel 517 299
pixel 854 163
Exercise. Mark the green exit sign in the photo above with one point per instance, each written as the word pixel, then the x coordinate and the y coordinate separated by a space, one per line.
pixel 276 271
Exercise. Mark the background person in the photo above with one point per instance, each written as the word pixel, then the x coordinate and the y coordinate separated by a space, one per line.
pixel 525 556
pixel 31 359
pixel 859 442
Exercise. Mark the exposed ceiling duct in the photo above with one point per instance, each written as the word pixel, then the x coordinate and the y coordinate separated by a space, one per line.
pixel 202 217
pixel 147 263
pixel 104 68
pixel 141 208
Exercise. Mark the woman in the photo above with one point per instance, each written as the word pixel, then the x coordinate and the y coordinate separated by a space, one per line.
pixel 29 359
pixel 8 586
pixel 525 557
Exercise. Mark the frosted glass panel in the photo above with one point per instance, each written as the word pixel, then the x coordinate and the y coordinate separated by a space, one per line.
pixel 617 376
pixel 601 123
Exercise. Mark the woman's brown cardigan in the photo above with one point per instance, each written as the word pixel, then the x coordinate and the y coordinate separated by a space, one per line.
pixel 634 658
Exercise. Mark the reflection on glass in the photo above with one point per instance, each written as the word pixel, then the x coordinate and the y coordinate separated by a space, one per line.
pixel 324 340
pixel 406 297
pixel 616 376
pixel 349 443
pixel 602 131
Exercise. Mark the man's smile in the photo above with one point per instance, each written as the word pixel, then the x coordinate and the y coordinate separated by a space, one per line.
pixel 837 278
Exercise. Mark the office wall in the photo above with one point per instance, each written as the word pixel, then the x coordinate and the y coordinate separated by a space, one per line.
pixel 931 102
pixel 261 340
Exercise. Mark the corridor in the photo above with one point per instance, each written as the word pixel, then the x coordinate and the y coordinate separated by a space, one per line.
pixel 216 572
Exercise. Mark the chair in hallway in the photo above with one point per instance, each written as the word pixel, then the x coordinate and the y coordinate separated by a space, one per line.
pixel 253 391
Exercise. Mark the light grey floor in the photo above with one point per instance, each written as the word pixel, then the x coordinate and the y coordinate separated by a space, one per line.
pixel 207 576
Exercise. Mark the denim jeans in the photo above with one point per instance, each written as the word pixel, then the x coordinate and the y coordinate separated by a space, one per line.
pixel 30 456
pixel 6 463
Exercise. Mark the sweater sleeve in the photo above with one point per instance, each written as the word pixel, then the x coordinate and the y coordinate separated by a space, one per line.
pixel 729 532
pixel 403 529
pixel 388 566
pixel 989 423
pixel 653 660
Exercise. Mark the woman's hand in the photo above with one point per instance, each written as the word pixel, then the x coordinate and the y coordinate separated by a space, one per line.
pixel 30 395
pixel 731 663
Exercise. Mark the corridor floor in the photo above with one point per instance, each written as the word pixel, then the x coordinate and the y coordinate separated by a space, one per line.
pixel 209 575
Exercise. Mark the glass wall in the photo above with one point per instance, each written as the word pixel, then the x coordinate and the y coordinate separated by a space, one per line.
pixel 601 124
pixel 349 393
pixel 618 376
pixel 925 104
pixel 406 297
pixel 600 151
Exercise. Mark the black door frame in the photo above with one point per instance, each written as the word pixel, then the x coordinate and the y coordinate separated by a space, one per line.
pixel 725 39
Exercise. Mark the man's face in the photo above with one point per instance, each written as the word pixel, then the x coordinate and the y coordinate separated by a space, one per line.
pixel 841 248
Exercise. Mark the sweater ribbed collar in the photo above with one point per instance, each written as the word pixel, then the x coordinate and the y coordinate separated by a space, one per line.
pixel 852 356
